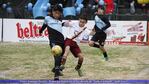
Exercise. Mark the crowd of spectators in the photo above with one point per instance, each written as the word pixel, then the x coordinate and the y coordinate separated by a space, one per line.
pixel 111 7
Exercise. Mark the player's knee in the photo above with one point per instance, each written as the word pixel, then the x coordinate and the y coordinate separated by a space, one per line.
pixel 91 44
pixel 66 52
pixel 80 56
pixel 102 49
pixel 64 57
pixel 67 48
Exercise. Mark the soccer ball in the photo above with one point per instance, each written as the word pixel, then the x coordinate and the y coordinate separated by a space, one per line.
pixel 56 50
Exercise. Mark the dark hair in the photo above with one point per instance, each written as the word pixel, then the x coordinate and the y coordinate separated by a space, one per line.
pixel 84 17
pixel 57 8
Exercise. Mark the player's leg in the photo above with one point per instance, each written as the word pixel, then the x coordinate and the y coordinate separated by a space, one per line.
pixel 56 64
pixel 57 61
pixel 93 44
pixel 67 49
pixel 79 65
pixel 80 60
pixel 103 50
pixel 64 58
pixel 100 37
pixel 77 53
pixel 101 45
pixel 93 40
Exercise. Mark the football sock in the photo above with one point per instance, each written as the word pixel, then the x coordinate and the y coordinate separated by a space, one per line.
pixel 105 54
pixel 56 76
pixel 78 66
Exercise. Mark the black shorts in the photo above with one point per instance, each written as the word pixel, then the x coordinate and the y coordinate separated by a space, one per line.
pixel 99 37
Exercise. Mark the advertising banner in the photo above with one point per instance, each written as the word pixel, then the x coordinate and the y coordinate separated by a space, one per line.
pixel 21 30
pixel 120 32
pixel 128 32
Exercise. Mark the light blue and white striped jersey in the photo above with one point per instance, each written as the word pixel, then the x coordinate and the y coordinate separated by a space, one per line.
pixel 99 23
pixel 53 23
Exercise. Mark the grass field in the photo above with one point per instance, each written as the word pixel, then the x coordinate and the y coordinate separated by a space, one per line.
pixel 34 61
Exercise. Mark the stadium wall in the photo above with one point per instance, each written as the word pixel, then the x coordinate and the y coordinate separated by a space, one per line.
pixel 120 32
pixel 0 29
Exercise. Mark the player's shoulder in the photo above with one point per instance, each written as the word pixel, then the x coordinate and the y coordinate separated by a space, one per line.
pixel 48 17
pixel 97 17
pixel 75 25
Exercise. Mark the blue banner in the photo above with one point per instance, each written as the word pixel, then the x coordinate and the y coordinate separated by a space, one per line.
pixel 75 81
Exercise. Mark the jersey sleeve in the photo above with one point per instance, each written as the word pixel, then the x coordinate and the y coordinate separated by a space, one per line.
pixel 107 22
pixel 44 25
pixel 47 19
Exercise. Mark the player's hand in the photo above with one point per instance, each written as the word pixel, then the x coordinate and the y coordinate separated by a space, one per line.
pixel 67 23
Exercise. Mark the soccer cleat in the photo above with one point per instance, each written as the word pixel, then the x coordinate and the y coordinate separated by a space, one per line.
pixel 53 70
pixel 79 72
pixel 62 67
pixel 106 58
pixel 60 72
pixel 56 76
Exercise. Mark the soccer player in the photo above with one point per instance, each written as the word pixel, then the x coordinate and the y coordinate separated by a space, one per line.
pixel 54 25
pixel 98 39
pixel 74 35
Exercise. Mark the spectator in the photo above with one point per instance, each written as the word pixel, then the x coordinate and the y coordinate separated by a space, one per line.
pixel 132 7
pixel 109 6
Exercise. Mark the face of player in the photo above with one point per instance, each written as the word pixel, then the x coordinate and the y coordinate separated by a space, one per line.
pixel 82 22
pixel 56 14
pixel 100 12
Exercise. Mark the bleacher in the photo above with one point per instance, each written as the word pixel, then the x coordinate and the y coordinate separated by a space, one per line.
pixel 121 11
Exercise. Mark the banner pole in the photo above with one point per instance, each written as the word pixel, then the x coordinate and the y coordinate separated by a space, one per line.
pixel 2 30
pixel 147 33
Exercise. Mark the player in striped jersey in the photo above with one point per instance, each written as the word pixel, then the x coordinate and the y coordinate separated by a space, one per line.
pixel 54 25
pixel 101 24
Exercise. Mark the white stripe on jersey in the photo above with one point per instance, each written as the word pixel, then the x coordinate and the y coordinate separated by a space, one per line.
pixel 99 23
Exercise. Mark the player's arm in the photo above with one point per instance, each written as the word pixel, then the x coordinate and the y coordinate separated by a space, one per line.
pixel 63 24
pixel 42 28
pixel 107 22
pixel 67 23
pixel 44 25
